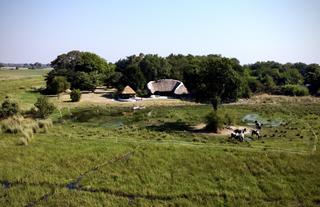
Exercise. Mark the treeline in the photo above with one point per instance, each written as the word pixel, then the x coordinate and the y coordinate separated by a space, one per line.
pixel 209 78
pixel 35 65
pixel 195 71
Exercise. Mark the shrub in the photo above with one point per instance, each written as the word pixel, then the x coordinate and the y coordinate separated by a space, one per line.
pixel 12 125
pixel 75 95
pixel 44 107
pixel 27 133
pixel 9 108
pixel 23 141
pixel 294 90
pixel 45 124
pixel 213 122
pixel 228 119
pixel 24 126
pixel 58 85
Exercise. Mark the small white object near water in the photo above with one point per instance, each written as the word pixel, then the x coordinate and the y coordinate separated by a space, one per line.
pixel 127 99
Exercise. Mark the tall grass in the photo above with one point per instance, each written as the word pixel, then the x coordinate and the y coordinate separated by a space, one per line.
pixel 45 124
pixel 24 126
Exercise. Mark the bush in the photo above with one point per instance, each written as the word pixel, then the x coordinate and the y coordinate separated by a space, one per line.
pixel 44 107
pixel 27 133
pixel 24 126
pixel 294 90
pixel 45 124
pixel 214 122
pixel 57 85
pixel 228 119
pixel 75 95
pixel 12 124
pixel 9 108
pixel 23 141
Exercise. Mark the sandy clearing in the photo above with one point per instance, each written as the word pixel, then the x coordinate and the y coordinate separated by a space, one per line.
pixel 226 131
pixel 102 99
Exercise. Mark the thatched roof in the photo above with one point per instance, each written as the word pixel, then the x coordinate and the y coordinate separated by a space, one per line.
pixel 128 90
pixel 167 85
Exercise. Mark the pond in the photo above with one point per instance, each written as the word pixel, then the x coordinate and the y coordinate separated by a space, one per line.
pixel 271 122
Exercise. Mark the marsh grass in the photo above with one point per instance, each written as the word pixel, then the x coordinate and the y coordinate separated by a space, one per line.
pixel 45 124
pixel 23 141
pixel 25 126
pixel 168 160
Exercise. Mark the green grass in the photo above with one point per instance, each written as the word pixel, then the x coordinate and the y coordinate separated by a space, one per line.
pixel 21 85
pixel 111 156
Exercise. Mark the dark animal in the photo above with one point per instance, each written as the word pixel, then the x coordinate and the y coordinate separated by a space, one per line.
pixel 239 131
pixel 258 125
pixel 255 132
pixel 238 136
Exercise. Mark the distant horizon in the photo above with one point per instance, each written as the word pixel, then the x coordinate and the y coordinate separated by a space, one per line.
pixel 285 31
pixel 113 62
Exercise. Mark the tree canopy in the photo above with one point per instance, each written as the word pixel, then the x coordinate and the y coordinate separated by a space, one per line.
pixel 83 70
pixel 210 78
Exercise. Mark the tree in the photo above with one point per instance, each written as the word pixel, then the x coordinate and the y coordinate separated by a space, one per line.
pixel 213 121
pixel 57 85
pixel 131 73
pixel 86 81
pixel 292 76
pixel 269 84
pixel 218 81
pixel 255 85
pixel 312 78
pixel 92 69
pixel 178 63
pixel 67 61
pixel 294 90
pixel 154 67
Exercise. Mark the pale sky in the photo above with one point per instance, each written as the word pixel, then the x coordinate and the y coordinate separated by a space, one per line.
pixel 249 30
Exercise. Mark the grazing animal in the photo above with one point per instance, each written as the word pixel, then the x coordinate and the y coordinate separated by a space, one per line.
pixel 239 131
pixel 255 132
pixel 238 136
pixel 241 137
pixel 258 125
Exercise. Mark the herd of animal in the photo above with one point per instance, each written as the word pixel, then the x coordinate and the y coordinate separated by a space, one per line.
pixel 238 134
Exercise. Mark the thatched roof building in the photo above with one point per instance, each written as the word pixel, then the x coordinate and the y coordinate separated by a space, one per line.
pixel 128 91
pixel 167 87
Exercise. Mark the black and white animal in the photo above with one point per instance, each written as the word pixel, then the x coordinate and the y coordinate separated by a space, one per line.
pixel 238 134
pixel 238 131
pixel 255 132
pixel 258 125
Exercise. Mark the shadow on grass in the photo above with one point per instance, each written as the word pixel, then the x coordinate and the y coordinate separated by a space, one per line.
pixel 89 114
pixel 175 127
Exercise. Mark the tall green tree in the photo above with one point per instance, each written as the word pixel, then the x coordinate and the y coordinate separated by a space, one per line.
pixel 312 78
pixel 218 80
pixel 84 70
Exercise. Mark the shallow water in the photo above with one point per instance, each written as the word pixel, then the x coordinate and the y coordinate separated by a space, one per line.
pixel 271 122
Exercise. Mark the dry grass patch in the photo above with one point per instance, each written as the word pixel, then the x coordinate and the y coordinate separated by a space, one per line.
pixel 278 99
